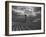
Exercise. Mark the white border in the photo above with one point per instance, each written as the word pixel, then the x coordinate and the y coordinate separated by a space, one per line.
pixel 28 31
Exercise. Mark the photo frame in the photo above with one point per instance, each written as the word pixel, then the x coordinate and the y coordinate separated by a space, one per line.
pixel 24 18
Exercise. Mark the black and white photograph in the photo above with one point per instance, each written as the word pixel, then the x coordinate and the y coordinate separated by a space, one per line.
pixel 25 18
